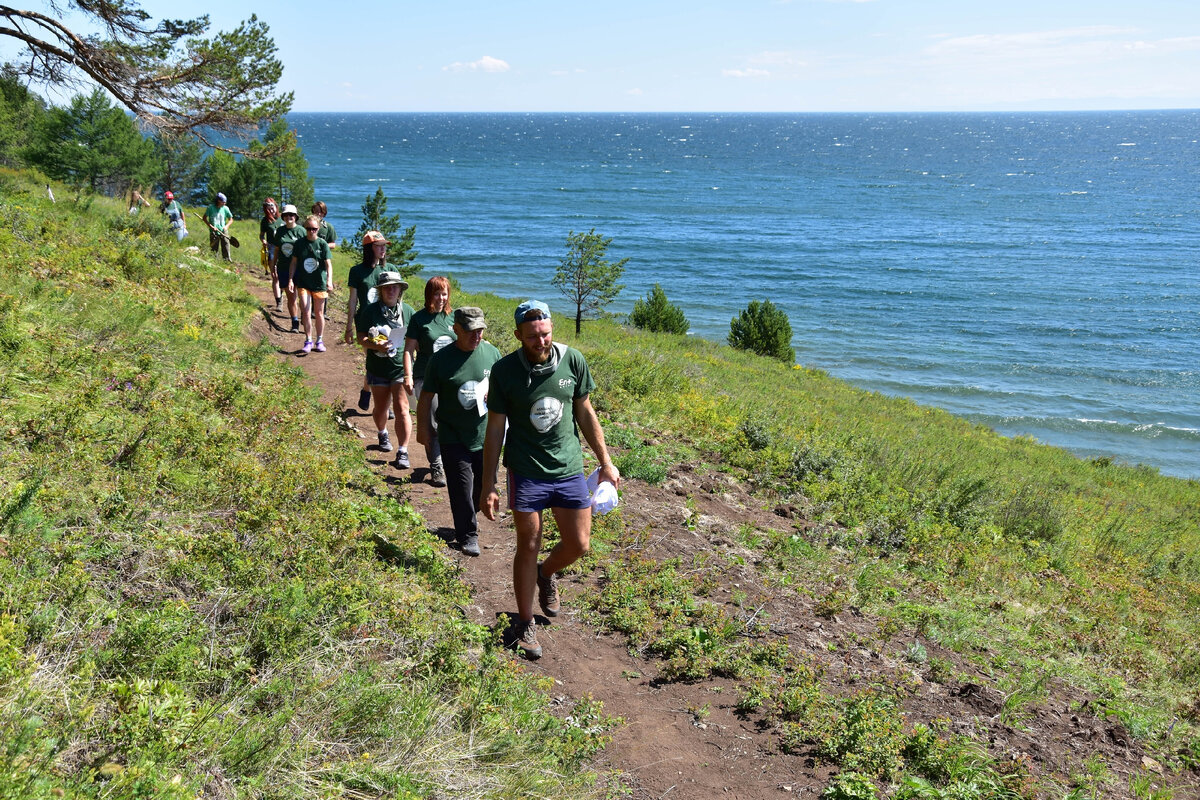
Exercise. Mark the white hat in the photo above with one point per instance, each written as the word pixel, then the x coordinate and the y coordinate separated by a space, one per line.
pixel 604 494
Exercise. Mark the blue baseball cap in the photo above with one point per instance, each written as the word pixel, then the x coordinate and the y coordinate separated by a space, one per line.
pixel 530 305
pixel 221 197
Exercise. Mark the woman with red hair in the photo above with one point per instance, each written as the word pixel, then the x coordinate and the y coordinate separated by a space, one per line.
pixel 429 331
pixel 266 236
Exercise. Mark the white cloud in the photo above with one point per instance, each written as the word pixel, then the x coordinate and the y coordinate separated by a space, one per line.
pixel 745 73
pixel 485 64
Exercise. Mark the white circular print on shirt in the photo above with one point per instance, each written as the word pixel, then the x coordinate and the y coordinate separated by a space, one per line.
pixel 310 265
pixel 546 413
pixel 466 394
pixel 286 247
pixel 372 295
pixel 441 342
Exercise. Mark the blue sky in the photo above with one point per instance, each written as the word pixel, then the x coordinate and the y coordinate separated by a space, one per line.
pixel 749 55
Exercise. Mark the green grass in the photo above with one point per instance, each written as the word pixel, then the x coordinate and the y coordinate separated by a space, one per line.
pixel 192 588
pixel 203 587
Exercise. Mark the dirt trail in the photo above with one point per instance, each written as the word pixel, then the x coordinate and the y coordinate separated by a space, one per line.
pixel 664 750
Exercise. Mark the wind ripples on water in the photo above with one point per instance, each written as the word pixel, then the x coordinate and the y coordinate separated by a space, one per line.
pixel 1033 272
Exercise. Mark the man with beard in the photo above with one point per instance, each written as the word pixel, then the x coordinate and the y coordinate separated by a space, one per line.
pixel 541 392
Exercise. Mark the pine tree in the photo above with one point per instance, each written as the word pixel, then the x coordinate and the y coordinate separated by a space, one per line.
pixel 658 314
pixel 401 255
pixel 586 277
pixel 764 329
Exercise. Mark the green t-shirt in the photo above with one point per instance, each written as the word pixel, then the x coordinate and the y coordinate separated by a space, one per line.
pixel 364 282
pixel 219 218
pixel 309 259
pixel 326 232
pixel 542 443
pixel 285 239
pixel 454 374
pixel 378 363
pixel 267 228
pixel 432 332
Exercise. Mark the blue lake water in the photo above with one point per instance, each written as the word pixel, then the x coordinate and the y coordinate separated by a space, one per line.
pixel 1033 272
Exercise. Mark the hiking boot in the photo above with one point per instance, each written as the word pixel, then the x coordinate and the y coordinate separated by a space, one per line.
pixel 295 324
pixel 308 346
pixel 525 639
pixel 471 545
pixel 364 399
pixel 437 475
pixel 319 347
pixel 401 461
pixel 385 442
pixel 547 593
pixel 278 303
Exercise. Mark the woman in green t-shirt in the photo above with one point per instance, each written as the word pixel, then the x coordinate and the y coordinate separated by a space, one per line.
pixel 429 332
pixel 385 361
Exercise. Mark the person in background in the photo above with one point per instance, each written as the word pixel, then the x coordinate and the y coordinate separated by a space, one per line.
pixel 218 216
pixel 266 230
pixel 136 202
pixel 540 393
pixel 284 239
pixel 455 385
pixel 361 283
pixel 327 233
pixel 385 362
pixel 311 273
pixel 174 213
pixel 428 333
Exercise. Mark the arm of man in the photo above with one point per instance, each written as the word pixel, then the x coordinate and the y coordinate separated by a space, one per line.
pixel 589 426
pixel 489 499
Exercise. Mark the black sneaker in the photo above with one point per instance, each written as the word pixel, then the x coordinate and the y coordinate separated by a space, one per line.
pixel 471 545
pixel 547 593
pixel 437 475
pixel 295 324
pixel 364 399
pixel 525 639
pixel 278 303
pixel 401 461
pixel 385 442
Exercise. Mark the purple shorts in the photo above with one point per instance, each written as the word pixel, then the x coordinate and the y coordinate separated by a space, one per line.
pixel 531 495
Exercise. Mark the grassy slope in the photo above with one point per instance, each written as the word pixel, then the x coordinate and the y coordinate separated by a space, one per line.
pixel 191 597
pixel 167 577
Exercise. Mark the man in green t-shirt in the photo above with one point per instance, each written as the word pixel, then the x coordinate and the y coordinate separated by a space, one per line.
pixel 218 216
pixel 457 377
pixel 541 392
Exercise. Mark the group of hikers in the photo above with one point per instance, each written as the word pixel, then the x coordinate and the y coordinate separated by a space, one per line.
pixel 471 401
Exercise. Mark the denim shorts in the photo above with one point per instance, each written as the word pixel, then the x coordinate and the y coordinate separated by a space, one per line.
pixel 375 380
pixel 530 494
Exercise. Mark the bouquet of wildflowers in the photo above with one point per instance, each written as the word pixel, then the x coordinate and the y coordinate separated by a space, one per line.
pixel 381 334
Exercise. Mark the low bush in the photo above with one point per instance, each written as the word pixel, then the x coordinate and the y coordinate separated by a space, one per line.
pixel 764 329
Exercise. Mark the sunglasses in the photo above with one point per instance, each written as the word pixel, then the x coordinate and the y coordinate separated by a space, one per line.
pixel 311 230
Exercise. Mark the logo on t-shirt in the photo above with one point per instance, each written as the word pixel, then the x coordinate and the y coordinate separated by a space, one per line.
pixel 372 295
pixel 286 247
pixel 441 342
pixel 310 265
pixel 466 394
pixel 546 413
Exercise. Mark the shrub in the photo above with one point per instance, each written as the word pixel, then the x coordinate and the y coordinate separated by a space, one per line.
pixel 658 314
pixel 764 329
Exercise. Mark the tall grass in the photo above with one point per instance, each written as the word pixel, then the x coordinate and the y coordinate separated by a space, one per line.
pixel 192 598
